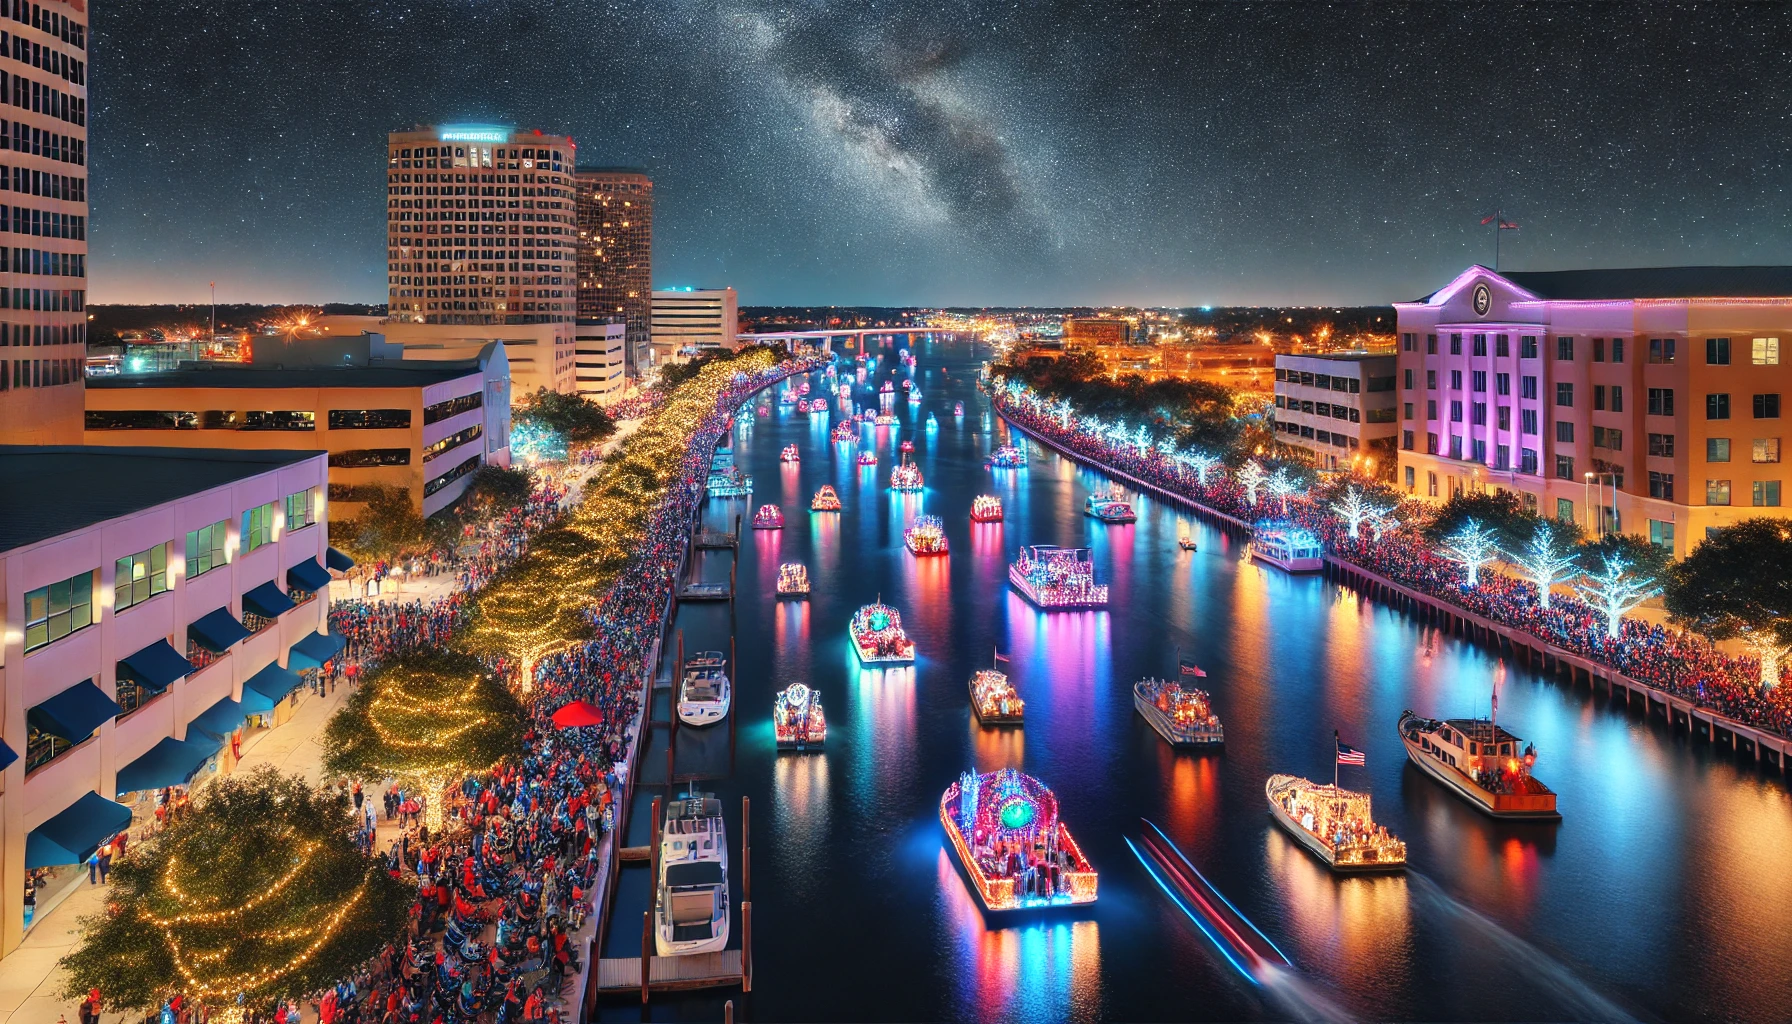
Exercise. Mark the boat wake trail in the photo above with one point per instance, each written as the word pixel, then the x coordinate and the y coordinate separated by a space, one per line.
pixel 1573 994
pixel 1298 997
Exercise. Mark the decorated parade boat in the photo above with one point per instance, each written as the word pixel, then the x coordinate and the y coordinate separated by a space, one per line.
pixel 793 579
pixel 994 699
pixel 877 636
pixel 914 395
pixel 986 508
pixel 1008 456
pixel 926 537
pixel 1185 540
pixel 1287 547
pixel 1334 824
pixel 1005 831
pixel 768 517
pixel 1057 578
pixel 690 900
pixel 1183 716
pixel 885 419
pixel 907 384
pixel 867 457
pixel 907 446
pixel 906 477
pixel 825 500
pixel 843 431
pixel 1481 762
pixel 802 387
pixel 1110 506
pixel 887 389
pixel 704 696
pixel 797 718
pixel 729 482
pixel 958 408
pixel 790 454
pixel 787 397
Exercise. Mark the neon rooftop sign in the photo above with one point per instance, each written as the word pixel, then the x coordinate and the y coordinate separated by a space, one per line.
pixel 473 133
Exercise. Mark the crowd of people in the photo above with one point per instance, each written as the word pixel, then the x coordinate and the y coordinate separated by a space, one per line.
pixel 1677 662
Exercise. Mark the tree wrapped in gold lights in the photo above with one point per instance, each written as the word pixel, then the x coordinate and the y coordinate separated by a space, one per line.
pixel 428 719
pixel 259 892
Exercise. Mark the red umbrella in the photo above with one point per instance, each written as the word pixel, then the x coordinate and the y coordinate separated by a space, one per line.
pixel 579 712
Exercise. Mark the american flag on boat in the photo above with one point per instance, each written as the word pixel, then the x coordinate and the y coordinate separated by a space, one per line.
pixel 1349 755
pixel 1001 657
pixel 1189 668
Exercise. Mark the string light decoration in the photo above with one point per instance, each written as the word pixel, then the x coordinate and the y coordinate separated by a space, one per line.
pixel 544 602
pixel 428 719
pixel 260 892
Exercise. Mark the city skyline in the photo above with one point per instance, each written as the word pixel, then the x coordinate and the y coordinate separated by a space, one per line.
pixel 833 155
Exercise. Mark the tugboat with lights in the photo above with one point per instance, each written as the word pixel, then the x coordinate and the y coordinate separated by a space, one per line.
pixel 793 580
pixel 1008 457
pixel 797 719
pixel 986 508
pixel 1110 506
pixel 825 500
pixel 1334 824
pixel 790 454
pixel 906 477
pixel 729 482
pixel 994 699
pixel 877 636
pixel 1057 579
pixel 704 694
pixel 1287 547
pixel 768 517
pixel 926 537
pixel 1006 834
pixel 691 894
pixel 1481 762
pixel 1182 716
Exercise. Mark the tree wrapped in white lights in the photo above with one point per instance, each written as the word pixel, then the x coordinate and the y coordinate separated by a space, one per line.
pixel 1142 438
pixel 1384 521
pixel 1545 561
pixel 1062 409
pixel 1471 547
pixel 1202 462
pixel 1616 590
pixel 1281 483
pixel 1356 508
pixel 1250 478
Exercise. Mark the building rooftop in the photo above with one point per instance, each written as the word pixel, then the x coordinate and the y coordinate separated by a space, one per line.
pixel 413 374
pixel 1654 283
pixel 52 490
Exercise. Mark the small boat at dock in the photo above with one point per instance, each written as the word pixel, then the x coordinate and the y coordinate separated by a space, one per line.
pixel 691 894
pixel 704 695
pixel 1334 824
pixel 1005 831
pixel 798 722
pixel 1287 547
pixel 1480 762
pixel 729 482
pixel 1182 716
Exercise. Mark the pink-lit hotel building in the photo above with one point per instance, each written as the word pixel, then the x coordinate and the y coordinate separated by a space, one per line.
pixel 1646 400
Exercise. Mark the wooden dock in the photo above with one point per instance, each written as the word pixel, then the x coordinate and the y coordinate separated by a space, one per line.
pixel 716 540
pixel 704 592
pixel 672 973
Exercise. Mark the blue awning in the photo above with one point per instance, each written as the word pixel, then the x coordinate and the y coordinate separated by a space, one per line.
pixel 272 682
pixel 169 763
pixel 254 701
pixel 337 561
pixel 156 666
pixel 267 601
pixel 72 836
pixel 314 650
pixel 216 631
pixel 308 575
pixel 219 720
pixel 7 757
pixel 74 713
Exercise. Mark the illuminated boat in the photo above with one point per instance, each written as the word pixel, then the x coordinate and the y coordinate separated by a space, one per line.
pixel 1334 824
pixel 843 431
pixel 690 900
pixel 906 477
pixel 914 395
pixel 844 390
pixel 730 482
pixel 907 446
pixel 704 694
pixel 1005 831
pixel 885 419
pixel 986 508
pixel 1007 457
pixel 797 719
pixel 790 454
pixel 825 500
pixel 958 408
pixel 887 389
pixel 932 424
pixel 1185 541
pixel 1287 547
pixel 877 636
pixel 994 699
pixel 1182 716
pixel 745 417
pixel 926 537
pixel 1056 578
pixel 705 659
pixel 1110 506
pixel 867 458
pixel 1480 762
pixel 1234 933
pixel 787 397
pixel 793 580
pixel 768 517
pixel 907 384
pixel 802 387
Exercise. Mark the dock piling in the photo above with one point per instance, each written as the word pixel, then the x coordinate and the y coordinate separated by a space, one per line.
pixel 646 953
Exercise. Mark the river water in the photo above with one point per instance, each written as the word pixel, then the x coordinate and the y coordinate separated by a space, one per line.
pixel 1665 893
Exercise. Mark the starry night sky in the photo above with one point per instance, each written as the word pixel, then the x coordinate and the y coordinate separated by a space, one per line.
pixel 957 152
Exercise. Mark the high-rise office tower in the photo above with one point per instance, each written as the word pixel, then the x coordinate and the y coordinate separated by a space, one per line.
pixel 480 226
pixel 43 253
pixel 615 213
